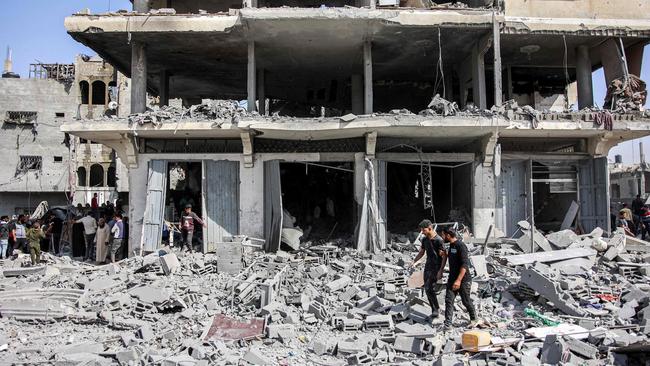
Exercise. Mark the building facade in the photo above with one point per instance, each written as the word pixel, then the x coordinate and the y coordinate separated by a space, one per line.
pixel 42 163
pixel 341 135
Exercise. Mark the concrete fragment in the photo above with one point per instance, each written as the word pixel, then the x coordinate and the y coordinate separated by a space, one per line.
pixel 562 238
pixel 170 263
pixel 553 350
pixel 552 256
pixel 339 283
pixel 255 357
pixel 551 291
pixel 409 344
pixel 581 348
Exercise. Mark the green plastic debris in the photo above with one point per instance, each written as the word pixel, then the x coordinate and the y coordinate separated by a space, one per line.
pixel 544 319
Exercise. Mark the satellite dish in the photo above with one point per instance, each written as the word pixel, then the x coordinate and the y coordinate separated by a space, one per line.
pixel 112 105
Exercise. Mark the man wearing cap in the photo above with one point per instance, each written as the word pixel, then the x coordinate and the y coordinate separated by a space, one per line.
pixel 433 246
pixel 187 225
pixel 460 280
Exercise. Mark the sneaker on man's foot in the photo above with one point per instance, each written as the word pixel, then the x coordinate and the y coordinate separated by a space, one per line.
pixel 474 323
pixel 434 315
pixel 446 327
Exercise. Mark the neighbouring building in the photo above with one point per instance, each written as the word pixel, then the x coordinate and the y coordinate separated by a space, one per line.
pixel 628 180
pixel 41 163
pixel 329 142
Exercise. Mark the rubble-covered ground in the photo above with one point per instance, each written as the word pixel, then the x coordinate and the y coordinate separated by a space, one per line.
pixel 580 300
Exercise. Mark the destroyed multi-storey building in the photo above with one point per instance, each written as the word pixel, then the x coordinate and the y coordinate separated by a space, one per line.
pixel 357 119
pixel 41 162
pixel 629 180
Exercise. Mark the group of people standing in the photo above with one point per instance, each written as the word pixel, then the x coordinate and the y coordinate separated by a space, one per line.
pixel 634 221
pixel 460 279
pixel 102 238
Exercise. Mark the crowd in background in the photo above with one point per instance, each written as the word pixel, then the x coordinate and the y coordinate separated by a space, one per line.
pixel 105 231
pixel 634 219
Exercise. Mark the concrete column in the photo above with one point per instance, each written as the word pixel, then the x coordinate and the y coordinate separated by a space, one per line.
pixel 484 199
pixel 90 99
pixel 498 78
pixel 478 77
pixel 357 93
pixel 251 87
pixel 367 77
pixel 634 57
pixel 138 77
pixel 163 89
pixel 612 58
pixel 261 95
pixel 137 202
pixel 141 6
pixel 251 213
pixel 583 76
pixel 509 88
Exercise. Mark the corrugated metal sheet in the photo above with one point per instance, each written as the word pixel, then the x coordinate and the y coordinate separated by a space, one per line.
pixel 512 195
pixel 594 194
pixel 154 210
pixel 272 205
pixel 221 199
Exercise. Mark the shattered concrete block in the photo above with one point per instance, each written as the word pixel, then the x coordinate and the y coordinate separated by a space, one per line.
pixel 339 283
pixel 320 347
pixel 562 238
pixel 581 348
pixel 125 357
pixel 359 359
pixel 448 360
pixel 255 357
pixel 408 344
pixel 145 333
pixel 553 350
pixel 551 290
pixel 616 246
pixel 369 303
pixel 318 310
pixel 390 290
pixel 170 263
pixel 349 293
pixel 318 271
pixel 347 324
pixel 379 322
pixel 273 330
pixel 419 313
pixel 350 347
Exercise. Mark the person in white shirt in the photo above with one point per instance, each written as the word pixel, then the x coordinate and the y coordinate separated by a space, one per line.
pixel 118 235
pixel 90 228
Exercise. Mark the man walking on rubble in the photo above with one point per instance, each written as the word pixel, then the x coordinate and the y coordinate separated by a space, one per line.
pixel 90 228
pixel 460 280
pixel 187 221
pixel 433 246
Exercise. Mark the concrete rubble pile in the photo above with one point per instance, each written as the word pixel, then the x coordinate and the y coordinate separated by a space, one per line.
pixel 577 299
pixel 626 94
pixel 222 110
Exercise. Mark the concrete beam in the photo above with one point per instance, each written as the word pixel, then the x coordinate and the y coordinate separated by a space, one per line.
pixel 141 6
pixel 163 89
pixel 367 77
pixel 138 77
pixel 489 143
pixel 124 149
pixel 583 73
pixel 484 200
pixel 247 142
pixel 251 86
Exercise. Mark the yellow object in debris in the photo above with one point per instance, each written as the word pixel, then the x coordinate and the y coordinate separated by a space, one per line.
pixel 472 340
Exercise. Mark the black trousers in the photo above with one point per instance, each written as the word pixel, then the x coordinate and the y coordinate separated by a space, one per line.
pixel 429 288
pixel 450 296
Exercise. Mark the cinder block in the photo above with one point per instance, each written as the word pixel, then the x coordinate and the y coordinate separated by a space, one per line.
pixel 409 344
pixel 170 263
pixel 256 357
pixel 339 283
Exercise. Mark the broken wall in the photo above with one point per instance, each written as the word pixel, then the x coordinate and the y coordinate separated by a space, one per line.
pixel 49 99
pixel 589 9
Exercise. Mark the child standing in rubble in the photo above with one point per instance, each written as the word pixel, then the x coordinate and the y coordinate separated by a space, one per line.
pixel 187 221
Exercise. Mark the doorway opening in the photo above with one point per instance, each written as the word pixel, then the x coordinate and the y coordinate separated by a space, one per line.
pixel 318 198
pixel 449 199
pixel 184 188
pixel 555 188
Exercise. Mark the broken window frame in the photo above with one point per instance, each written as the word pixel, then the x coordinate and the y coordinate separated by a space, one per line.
pixel 28 163
pixel 21 117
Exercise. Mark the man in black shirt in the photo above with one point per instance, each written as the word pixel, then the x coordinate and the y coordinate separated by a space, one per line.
pixel 433 246
pixel 460 280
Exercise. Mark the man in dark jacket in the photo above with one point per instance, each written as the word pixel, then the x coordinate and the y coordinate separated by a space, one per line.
pixel 460 280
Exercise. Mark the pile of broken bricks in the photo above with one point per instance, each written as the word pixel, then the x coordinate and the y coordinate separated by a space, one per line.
pixel 571 300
